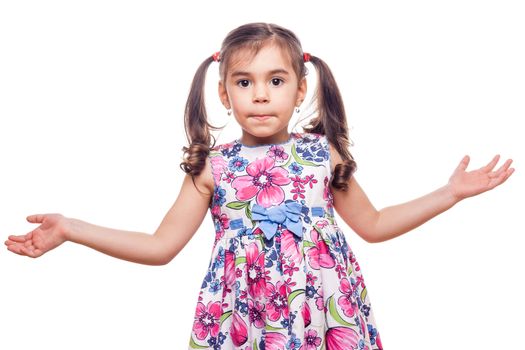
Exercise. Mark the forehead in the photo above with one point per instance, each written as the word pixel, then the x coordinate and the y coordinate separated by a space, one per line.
pixel 269 55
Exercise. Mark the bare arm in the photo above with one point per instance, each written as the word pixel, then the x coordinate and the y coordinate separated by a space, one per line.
pixel 176 229
pixel 374 226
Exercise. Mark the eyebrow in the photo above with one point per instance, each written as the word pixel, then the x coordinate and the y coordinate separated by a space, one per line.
pixel 272 72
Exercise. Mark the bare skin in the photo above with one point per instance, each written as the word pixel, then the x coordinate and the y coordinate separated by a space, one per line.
pixel 191 206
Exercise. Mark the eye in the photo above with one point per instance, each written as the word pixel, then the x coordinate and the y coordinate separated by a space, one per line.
pixel 277 81
pixel 243 83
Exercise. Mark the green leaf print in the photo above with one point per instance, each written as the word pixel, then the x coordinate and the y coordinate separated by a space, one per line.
pixel 248 212
pixel 225 316
pixel 363 294
pixel 194 345
pixel 335 314
pixel 255 345
pixel 350 269
pixel 270 328
pixel 295 293
pixel 300 160
pixel 308 244
pixel 237 205
pixel 240 260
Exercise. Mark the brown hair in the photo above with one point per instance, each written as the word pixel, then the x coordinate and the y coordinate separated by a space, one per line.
pixel 327 101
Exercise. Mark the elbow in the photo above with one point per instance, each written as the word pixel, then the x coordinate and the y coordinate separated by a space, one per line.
pixel 369 236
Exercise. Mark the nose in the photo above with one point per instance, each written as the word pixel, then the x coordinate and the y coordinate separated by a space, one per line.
pixel 260 94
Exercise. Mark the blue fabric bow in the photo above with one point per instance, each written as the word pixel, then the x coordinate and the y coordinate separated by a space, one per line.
pixel 287 214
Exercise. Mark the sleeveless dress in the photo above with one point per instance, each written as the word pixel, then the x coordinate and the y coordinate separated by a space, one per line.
pixel 281 274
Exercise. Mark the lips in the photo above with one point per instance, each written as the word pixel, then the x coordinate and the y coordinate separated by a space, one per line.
pixel 262 116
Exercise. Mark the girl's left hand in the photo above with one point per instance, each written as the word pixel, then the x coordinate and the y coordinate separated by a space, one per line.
pixel 465 184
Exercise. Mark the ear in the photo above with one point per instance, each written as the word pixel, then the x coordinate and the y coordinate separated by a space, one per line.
pixel 223 95
pixel 301 92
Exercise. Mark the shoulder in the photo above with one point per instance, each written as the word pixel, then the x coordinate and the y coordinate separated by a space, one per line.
pixel 204 181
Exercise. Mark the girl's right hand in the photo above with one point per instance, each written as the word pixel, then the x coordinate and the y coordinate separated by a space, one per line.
pixel 49 235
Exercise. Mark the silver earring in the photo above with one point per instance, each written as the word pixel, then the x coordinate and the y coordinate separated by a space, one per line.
pixel 229 112
pixel 297 109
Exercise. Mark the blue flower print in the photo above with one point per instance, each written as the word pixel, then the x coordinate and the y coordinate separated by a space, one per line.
pixel 219 259
pixel 311 150
pixel 293 343
pixel 310 292
pixel 295 168
pixel 365 309
pixel 228 153
pixel 237 163
pixel 216 342
pixel 373 333
pixel 215 286
pixel 246 231
pixel 219 196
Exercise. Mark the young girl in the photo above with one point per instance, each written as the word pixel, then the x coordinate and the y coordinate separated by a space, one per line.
pixel 281 274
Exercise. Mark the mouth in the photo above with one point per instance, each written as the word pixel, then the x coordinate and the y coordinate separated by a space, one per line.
pixel 262 116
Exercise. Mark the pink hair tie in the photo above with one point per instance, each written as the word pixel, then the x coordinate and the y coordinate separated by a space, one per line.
pixel 216 57
pixel 306 57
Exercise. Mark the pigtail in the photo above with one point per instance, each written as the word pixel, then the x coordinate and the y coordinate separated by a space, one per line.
pixel 331 121
pixel 196 125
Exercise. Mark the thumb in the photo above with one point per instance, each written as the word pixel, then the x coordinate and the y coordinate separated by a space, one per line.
pixel 36 218
pixel 463 164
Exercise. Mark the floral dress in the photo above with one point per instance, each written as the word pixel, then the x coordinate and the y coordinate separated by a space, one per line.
pixel 281 274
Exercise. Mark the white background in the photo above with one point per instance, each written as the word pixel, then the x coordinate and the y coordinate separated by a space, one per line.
pixel 91 103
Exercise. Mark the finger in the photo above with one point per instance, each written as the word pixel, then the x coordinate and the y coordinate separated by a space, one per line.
pixel 463 164
pixel 502 178
pixel 491 164
pixel 14 249
pixel 502 169
pixel 27 251
pixel 19 238
pixel 36 218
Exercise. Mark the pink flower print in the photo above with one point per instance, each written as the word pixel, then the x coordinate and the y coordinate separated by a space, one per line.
pixel 229 176
pixel 347 301
pixel 306 313
pixel 311 340
pixel 218 165
pixel 224 221
pixel 264 181
pixel 327 193
pixel 257 313
pixel 289 269
pixel 309 180
pixel 207 320
pixel 238 330
pixel 229 268
pixel 310 278
pixel 319 301
pixel 277 303
pixel 319 256
pixel 321 223
pixel 353 261
pixel 289 247
pixel 289 284
pixel 255 274
pixel 275 341
pixel 277 152
pixel 341 338
pixel 340 271
pixel 298 189
pixel 216 210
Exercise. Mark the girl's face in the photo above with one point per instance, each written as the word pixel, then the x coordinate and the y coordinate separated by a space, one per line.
pixel 262 92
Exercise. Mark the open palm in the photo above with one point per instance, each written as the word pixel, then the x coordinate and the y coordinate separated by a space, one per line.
pixel 47 236
pixel 465 184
